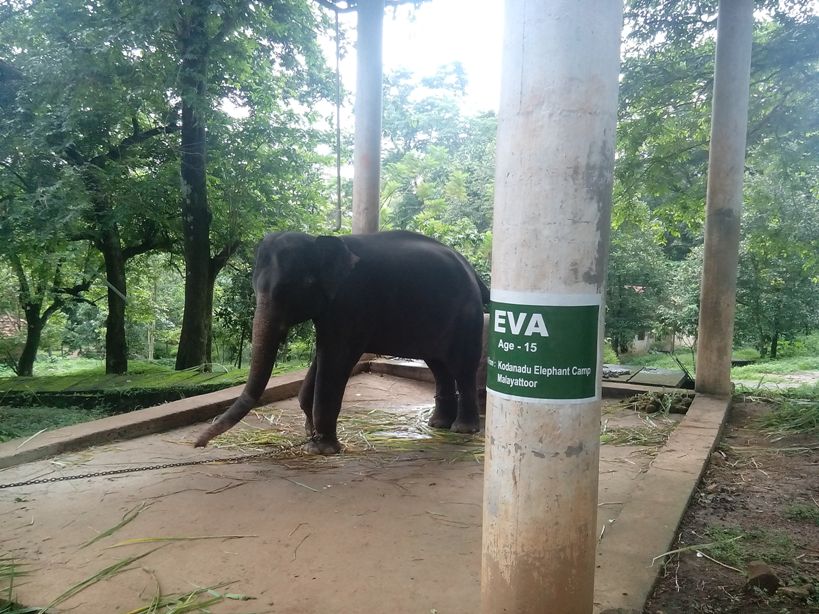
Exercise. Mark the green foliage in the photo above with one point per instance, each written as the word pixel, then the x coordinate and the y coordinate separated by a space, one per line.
pixel 609 355
pixel 778 283
pixel 635 285
pixel 438 164
pixel 89 125
pixel 678 314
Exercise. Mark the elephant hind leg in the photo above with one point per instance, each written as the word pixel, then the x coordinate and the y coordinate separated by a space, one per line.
pixel 467 420
pixel 446 396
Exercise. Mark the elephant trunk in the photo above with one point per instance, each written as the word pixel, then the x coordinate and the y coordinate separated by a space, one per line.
pixel 268 333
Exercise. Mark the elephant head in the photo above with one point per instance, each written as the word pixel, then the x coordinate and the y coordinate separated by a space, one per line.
pixel 295 278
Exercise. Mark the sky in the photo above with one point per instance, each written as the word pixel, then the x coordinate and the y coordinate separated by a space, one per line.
pixel 437 33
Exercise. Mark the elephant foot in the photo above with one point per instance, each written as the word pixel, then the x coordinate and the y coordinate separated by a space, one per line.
pixel 446 408
pixel 466 426
pixel 438 421
pixel 323 446
pixel 309 429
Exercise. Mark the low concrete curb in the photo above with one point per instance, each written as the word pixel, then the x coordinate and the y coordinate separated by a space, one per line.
pixel 140 422
pixel 625 573
pixel 145 421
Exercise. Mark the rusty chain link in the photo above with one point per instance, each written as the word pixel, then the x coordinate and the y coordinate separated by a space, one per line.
pixel 233 459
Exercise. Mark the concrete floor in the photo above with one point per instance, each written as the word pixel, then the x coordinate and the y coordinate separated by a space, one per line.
pixel 368 531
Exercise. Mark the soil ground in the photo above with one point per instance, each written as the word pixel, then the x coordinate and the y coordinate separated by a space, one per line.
pixel 392 525
pixel 759 500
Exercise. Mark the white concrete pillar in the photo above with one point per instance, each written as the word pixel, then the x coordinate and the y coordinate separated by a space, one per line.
pixel 726 167
pixel 555 156
pixel 367 147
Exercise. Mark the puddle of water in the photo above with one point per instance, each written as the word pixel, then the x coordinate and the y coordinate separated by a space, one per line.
pixel 402 435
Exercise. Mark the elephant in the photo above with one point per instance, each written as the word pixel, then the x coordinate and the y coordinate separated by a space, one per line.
pixel 395 293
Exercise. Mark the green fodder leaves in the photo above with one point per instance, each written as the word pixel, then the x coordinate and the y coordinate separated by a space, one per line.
pixel 792 417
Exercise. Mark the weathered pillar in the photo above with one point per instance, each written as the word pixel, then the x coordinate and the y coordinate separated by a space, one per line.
pixel 555 157
pixel 367 149
pixel 726 165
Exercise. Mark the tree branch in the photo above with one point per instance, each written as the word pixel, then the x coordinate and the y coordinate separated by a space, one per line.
pixel 117 151
pixel 218 261
pixel 23 182
pixel 151 242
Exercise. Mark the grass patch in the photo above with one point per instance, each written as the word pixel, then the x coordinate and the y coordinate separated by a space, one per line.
pixel 804 392
pixel 660 360
pixel 737 547
pixel 791 417
pixel 780 366
pixel 745 354
pixel 26 421
pixel 807 512
pixel 141 375
pixel 111 394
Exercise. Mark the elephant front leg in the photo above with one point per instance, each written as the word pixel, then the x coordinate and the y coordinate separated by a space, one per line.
pixel 331 375
pixel 306 396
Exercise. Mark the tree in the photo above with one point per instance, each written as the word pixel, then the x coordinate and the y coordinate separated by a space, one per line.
pixel 665 104
pixel 662 149
pixel 635 286
pixel 101 91
pixel 46 281
pixel 778 283
pixel 89 105
pixel 236 51
pixel 439 164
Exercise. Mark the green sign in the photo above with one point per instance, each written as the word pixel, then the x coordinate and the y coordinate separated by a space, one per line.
pixel 543 351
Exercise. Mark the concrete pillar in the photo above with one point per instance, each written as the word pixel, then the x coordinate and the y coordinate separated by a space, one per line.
pixel 555 157
pixel 367 149
pixel 726 164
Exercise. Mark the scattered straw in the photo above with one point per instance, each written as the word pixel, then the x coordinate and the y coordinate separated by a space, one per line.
pixel 154 540
pixel 103 574
pixel 696 548
pixel 126 518
pixel 197 600
pixel 360 432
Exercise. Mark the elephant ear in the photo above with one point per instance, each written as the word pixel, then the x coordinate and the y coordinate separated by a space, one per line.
pixel 335 262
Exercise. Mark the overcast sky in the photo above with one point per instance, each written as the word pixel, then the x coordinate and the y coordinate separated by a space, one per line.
pixel 437 33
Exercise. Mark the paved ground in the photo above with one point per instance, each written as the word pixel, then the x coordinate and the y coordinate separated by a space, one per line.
pixel 376 530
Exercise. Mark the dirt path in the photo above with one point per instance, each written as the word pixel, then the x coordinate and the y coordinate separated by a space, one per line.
pixel 758 500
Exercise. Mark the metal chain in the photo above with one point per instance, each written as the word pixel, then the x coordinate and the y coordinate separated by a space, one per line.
pixel 233 459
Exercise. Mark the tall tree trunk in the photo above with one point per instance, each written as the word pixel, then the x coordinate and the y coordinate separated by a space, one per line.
pixel 196 215
pixel 774 344
pixel 116 345
pixel 34 330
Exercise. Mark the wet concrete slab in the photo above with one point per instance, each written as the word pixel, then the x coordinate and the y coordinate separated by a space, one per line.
pixel 379 529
